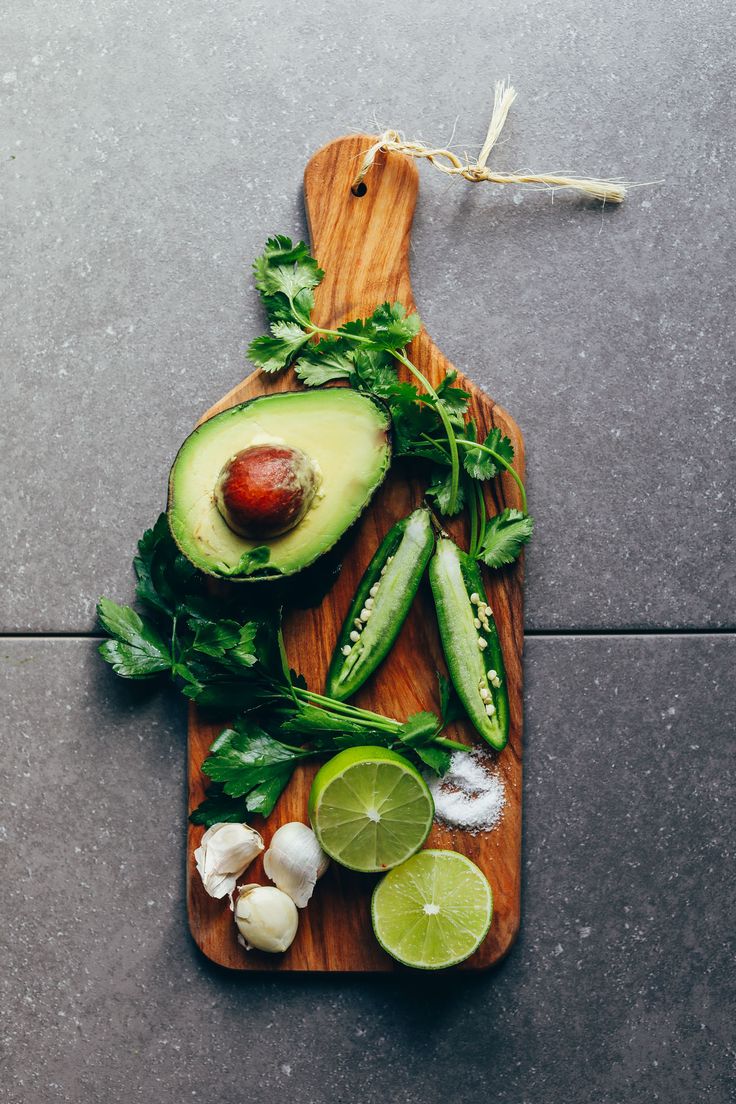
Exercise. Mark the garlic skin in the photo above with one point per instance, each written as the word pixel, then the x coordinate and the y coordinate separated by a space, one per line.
pixel 294 861
pixel 225 852
pixel 267 919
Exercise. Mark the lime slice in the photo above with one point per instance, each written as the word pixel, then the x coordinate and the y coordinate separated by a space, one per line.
pixel 432 911
pixel 370 808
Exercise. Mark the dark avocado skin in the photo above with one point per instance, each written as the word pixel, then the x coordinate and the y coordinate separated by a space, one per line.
pixel 271 577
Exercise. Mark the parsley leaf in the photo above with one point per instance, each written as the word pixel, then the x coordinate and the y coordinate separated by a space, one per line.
pixel 148 546
pixel 218 808
pixel 226 639
pixel 263 797
pixel 249 562
pixel 136 650
pixel 504 536
pixel 245 756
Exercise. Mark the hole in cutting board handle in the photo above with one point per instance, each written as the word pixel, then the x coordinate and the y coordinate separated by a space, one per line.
pixel 359 190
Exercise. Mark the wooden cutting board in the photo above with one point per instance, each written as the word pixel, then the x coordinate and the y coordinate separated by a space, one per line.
pixel 362 243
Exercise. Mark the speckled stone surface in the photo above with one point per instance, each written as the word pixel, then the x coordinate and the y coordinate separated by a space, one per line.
pixel 147 153
pixel 149 150
pixel 620 988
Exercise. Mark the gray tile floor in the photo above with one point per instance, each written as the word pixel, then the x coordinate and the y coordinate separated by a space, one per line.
pixel 148 152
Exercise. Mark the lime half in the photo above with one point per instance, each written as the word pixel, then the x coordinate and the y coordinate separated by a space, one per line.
pixel 370 808
pixel 432 911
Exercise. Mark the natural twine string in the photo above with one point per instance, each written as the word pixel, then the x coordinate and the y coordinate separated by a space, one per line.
pixel 611 191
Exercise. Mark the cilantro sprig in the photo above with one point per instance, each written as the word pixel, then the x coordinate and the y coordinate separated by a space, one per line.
pixel 230 659
pixel 429 425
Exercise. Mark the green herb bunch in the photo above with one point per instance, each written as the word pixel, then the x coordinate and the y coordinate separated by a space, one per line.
pixel 231 661
pixel 429 425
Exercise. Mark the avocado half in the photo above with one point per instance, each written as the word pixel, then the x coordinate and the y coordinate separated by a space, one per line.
pixel 346 434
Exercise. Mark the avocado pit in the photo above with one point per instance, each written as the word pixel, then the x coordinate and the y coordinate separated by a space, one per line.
pixel 266 490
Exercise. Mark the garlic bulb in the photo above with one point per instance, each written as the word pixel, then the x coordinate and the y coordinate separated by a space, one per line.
pixel 224 854
pixel 267 918
pixel 295 860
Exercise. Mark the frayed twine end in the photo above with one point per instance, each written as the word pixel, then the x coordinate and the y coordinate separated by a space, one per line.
pixel 608 191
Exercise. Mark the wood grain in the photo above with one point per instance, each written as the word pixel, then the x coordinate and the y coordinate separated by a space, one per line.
pixel 363 245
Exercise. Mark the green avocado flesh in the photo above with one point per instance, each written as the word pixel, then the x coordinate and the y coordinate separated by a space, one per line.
pixel 345 433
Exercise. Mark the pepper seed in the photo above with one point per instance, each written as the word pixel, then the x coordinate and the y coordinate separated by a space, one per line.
pixel 482 643
pixel 355 636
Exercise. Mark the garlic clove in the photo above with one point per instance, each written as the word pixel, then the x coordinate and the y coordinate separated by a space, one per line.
pixel 224 854
pixel 266 918
pixel 295 861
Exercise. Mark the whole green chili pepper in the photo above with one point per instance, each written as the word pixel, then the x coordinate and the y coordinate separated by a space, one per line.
pixel 381 603
pixel 470 641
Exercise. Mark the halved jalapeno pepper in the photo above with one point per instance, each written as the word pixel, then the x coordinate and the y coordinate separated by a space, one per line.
pixel 381 603
pixel 470 641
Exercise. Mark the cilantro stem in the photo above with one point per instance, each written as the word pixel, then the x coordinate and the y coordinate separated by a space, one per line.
pixel 481 511
pixel 440 407
pixel 473 509
pixel 450 745
pixel 350 712
pixel 449 430
pixel 504 464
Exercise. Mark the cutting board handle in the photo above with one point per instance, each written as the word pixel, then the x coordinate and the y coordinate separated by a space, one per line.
pixel 361 241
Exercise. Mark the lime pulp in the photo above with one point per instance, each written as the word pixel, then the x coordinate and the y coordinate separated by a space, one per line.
pixel 433 911
pixel 370 808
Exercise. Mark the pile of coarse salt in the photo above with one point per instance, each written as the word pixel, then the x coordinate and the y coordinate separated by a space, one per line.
pixel 470 795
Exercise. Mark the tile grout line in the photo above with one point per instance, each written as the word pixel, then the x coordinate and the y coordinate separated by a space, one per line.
pixel 530 634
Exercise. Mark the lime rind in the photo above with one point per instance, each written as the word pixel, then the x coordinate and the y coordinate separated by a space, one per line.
pixel 370 809
pixel 444 880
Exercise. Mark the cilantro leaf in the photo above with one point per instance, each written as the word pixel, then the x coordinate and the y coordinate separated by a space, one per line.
pixel 136 650
pixel 439 490
pixel 480 465
pixel 249 562
pixel 330 359
pixel 218 808
pixel 391 327
pixel 375 371
pixel 418 730
pixel 454 399
pixel 244 757
pixel 285 275
pixel 437 759
pixel 504 536
pixel 271 354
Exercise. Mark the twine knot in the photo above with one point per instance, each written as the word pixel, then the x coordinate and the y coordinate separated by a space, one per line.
pixel 611 191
